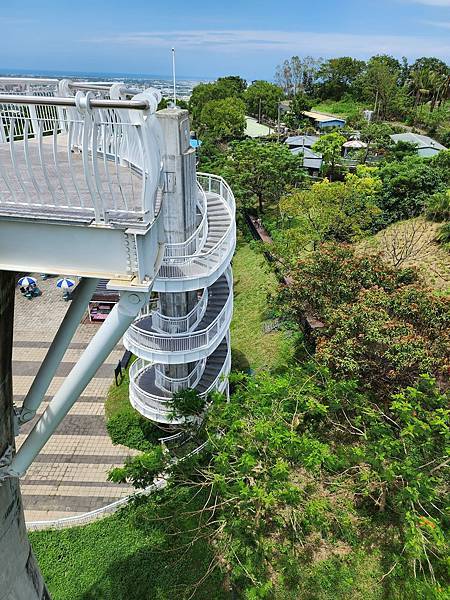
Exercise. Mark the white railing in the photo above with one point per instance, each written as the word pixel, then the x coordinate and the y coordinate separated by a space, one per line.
pixel 156 407
pixel 101 163
pixel 179 325
pixel 189 341
pixel 174 385
pixel 205 261
pixel 195 242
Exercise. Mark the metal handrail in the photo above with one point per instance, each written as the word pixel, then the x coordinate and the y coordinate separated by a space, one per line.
pixel 99 162
pixel 178 249
pixel 71 102
pixel 188 341
pixel 182 324
pixel 143 401
pixel 195 265
pixel 28 80
pixel 176 384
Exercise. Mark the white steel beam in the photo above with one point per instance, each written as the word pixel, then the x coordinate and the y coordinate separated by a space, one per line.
pixel 97 351
pixel 91 251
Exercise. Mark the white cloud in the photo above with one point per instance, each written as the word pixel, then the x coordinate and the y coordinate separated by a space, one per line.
pixel 433 2
pixel 15 20
pixel 240 41
pixel 441 24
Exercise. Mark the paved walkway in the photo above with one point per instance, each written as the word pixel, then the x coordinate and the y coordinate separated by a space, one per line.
pixel 69 476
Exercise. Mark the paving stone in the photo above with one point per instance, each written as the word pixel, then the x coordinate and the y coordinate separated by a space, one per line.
pixel 69 476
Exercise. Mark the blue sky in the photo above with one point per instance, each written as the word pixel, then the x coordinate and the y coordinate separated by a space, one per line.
pixel 247 37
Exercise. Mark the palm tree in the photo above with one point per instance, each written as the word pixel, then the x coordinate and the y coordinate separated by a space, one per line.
pixel 427 84
pixel 20 578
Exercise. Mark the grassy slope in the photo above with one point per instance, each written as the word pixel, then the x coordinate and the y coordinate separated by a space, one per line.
pixel 117 400
pixel 252 347
pixel 111 559
pixel 424 253
pixel 341 108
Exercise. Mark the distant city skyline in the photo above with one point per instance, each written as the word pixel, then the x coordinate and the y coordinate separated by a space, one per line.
pixel 248 38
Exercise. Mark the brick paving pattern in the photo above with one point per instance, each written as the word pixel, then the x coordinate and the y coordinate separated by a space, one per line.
pixel 69 476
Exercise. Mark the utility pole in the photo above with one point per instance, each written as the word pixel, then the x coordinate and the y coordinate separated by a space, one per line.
pixel 259 112
pixel 278 123
pixel 375 108
pixel 174 79
pixel 20 577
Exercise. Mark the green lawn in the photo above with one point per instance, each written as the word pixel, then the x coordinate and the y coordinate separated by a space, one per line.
pixel 114 559
pixel 253 346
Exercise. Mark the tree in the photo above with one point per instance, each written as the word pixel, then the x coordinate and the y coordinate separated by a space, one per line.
pixel 429 79
pixel 339 211
pixel 406 187
pixel 300 103
pixel 235 84
pixel 335 276
pixel 224 87
pixel 383 328
pixel 337 76
pixel 262 99
pixel 406 242
pixel 294 118
pixel 377 138
pixel 380 84
pixel 387 340
pixel 261 171
pixel 431 63
pixel 437 207
pixel 400 150
pixel 166 102
pixel 330 146
pixel 20 577
pixel 298 75
pixel 222 120
pixel 283 77
pixel 299 461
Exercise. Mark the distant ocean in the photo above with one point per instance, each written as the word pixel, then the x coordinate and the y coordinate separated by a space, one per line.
pixel 184 85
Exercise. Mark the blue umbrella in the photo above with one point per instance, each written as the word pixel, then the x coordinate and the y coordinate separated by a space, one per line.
pixel 65 284
pixel 26 281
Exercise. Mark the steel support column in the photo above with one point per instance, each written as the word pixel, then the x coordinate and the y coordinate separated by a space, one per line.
pixel 97 351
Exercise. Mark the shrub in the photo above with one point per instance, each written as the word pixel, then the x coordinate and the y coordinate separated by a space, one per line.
pixel 382 327
pixel 387 340
pixel 131 429
pixel 407 185
pixel 438 207
pixel 444 235
pixel 333 276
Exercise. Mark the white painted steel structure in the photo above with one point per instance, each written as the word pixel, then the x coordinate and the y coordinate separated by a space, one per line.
pixel 96 172
pixel 199 338
pixel 91 179
pixel 81 192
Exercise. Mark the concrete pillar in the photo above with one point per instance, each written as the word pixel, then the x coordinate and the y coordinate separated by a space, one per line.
pixel 179 206
pixel 20 578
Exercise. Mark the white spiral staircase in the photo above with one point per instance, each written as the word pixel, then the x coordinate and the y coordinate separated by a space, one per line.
pixel 200 338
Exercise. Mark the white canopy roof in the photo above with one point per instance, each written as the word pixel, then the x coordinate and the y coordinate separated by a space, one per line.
pixel 354 144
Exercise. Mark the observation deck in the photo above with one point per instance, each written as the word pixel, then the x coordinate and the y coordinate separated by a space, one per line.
pixel 80 180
